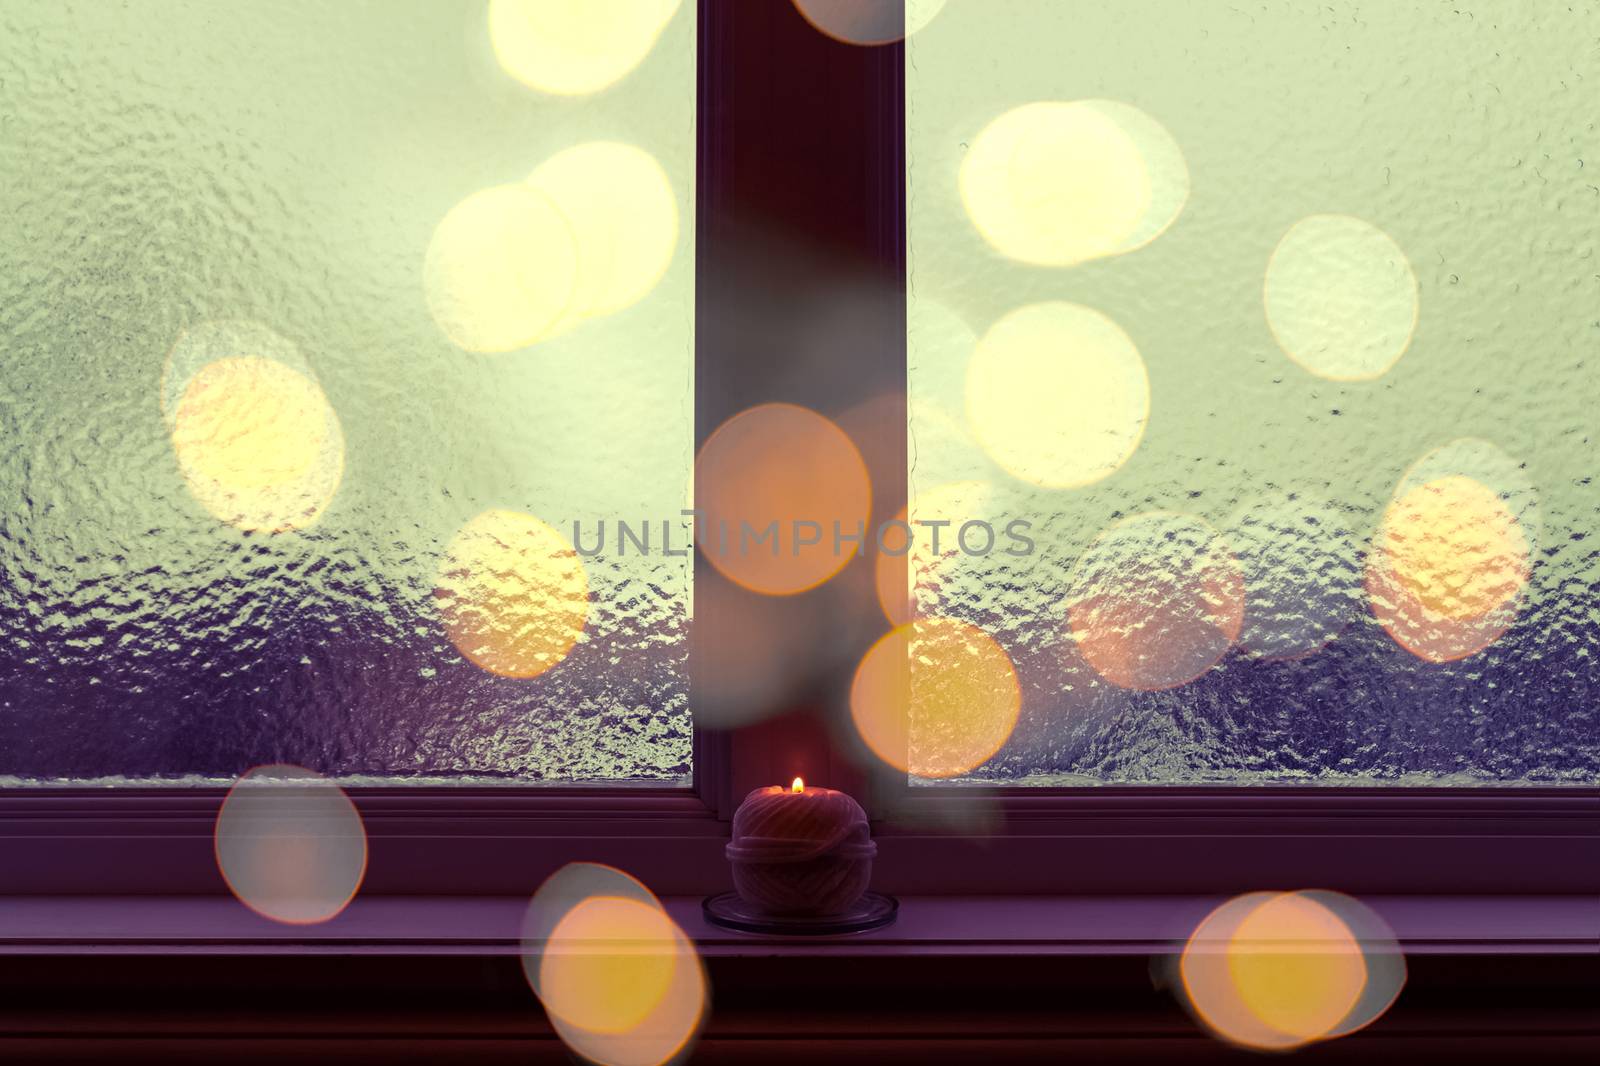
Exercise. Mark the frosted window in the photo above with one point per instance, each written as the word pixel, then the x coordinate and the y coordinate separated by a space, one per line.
pixel 1278 324
pixel 321 324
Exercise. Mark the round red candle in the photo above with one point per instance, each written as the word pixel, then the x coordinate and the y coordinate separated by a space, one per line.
pixel 801 850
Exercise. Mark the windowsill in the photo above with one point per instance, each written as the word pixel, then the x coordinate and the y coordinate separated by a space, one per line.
pixel 927 926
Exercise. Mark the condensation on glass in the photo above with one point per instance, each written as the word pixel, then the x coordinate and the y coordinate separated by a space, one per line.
pixel 321 325
pixel 1277 326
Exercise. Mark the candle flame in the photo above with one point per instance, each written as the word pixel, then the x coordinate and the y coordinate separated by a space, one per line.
pixel 798 786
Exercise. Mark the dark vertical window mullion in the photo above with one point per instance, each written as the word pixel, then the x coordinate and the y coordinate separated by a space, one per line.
pixel 800 202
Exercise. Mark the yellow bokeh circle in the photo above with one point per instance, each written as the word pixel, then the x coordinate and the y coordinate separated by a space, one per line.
pixel 1054 183
pixel 609 963
pixel 935 697
pixel 624 218
pixel 1455 547
pixel 573 47
pixel 1275 971
pixel 1341 298
pixel 501 269
pixel 258 444
pixel 1057 394
pixel 1296 966
pixel 512 593
pixel 621 982
pixel 1451 564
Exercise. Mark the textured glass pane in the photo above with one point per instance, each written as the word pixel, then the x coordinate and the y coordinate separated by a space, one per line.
pixel 321 324
pixel 1277 326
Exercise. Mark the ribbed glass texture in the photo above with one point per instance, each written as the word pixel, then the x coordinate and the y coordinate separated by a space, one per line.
pixel 1277 324
pixel 298 417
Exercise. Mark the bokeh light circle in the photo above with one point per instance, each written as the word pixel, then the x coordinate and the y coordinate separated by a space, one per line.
pixel 1055 183
pixel 1057 394
pixel 290 845
pixel 868 22
pixel 1341 298
pixel 609 964
pixel 1453 557
pixel 1455 548
pixel 257 442
pixel 624 218
pixel 573 47
pixel 936 697
pixel 1277 970
pixel 501 269
pixel 620 981
pixel 785 465
pixel 1296 966
pixel 512 593
pixel 1302 578
pixel 1156 600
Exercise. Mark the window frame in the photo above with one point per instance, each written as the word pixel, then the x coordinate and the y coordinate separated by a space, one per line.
pixel 1114 839
pixel 1220 839
pixel 434 841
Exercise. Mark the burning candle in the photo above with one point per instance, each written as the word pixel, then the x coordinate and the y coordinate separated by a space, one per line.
pixel 800 850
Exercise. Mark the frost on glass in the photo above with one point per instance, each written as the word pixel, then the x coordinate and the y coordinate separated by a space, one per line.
pixel 1278 324
pixel 291 467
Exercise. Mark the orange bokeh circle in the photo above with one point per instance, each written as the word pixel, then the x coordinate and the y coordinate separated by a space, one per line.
pixel 774 485
pixel 1275 971
pixel 290 845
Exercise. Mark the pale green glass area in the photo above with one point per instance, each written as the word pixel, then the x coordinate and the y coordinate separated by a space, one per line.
pixel 168 164
pixel 1466 135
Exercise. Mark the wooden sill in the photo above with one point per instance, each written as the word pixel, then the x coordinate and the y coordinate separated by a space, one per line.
pixel 400 980
pixel 927 926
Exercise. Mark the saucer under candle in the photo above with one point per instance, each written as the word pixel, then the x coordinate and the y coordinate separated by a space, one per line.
pixel 801 851
pixel 873 911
